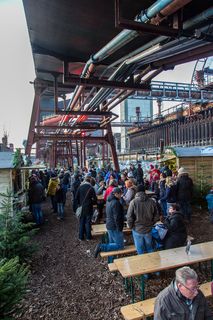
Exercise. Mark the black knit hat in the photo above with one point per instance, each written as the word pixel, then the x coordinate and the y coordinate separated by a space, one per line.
pixel 140 188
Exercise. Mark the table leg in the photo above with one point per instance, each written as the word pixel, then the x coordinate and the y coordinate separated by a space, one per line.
pixel 132 290
pixel 126 284
pixel 142 287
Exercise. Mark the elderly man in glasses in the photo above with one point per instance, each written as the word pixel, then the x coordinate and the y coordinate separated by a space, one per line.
pixel 182 299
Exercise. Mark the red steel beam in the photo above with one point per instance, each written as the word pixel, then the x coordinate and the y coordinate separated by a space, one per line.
pixel 67 137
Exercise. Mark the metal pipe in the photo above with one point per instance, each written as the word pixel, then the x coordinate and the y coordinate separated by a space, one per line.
pixel 116 43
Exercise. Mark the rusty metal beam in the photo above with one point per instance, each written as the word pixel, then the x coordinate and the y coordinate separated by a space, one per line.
pixel 113 148
pixel 105 83
pixel 152 29
pixel 67 137
pixel 85 113
pixel 35 110
pixel 201 52
pixel 74 127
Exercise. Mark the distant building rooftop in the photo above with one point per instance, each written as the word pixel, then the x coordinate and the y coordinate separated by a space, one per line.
pixel 193 151
pixel 6 160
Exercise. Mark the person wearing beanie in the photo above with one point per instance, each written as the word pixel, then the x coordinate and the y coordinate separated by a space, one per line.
pixel 184 190
pixel 142 214
pixel 114 224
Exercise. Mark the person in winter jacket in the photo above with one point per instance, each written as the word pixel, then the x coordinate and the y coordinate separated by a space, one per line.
pixel 51 190
pixel 112 185
pixel 130 193
pixel 36 196
pixel 176 234
pixel 184 193
pixel 182 299
pixel 60 198
pixel 85 197
pixel 170 194
pixel 114 223
pixel 162 193
pixel 142 214
pixel 209 199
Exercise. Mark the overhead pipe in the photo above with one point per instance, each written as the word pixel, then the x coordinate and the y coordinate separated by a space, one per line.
pixel 116 43
pixel 153 75
pixel 187 25
pixel 169 9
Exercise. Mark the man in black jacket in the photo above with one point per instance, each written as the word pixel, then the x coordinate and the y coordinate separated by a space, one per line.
pixel 36 196
pixel 184 191
pixel 85 197
pixel 182 299
pixel 114 223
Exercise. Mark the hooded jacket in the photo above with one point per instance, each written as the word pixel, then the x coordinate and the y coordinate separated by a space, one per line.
pixel 170 305
pixel 114 214
pixel 142 213
pixel 184 188
pixel 177 234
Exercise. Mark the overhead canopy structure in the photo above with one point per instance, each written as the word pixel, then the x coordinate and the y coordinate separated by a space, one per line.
pixel 102 51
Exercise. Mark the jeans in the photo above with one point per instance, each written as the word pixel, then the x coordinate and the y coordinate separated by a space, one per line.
pixel 37 213
pixel 163 205
pixel 85 227
pixel 143 242
pixel 116 242
pixel 186 209
pixel 60 210
pixel 54 203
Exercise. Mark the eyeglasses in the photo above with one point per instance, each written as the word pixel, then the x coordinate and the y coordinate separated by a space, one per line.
pixel 193 290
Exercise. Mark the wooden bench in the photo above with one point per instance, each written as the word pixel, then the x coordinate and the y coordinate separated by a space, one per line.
pixel 112 267
pixel 143 309
pixel 126 250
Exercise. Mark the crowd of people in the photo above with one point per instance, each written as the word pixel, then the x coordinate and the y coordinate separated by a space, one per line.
pixel 125 198
pixel 139 200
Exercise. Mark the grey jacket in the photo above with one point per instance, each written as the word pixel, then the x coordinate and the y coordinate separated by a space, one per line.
pixel 169 305
pixel 142 213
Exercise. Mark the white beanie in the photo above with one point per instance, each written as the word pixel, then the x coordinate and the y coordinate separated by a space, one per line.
pixel 182 171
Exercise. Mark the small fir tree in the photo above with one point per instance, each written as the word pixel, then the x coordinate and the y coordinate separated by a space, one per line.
pixel 13 280
pixel 15 236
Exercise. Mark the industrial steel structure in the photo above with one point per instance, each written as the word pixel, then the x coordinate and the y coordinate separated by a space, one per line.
pixel 87 65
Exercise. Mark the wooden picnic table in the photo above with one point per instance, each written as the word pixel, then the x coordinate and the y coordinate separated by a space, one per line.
pixel 100 229
pixel 139 265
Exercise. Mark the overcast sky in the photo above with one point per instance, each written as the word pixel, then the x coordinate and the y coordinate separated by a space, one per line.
pixel 17 69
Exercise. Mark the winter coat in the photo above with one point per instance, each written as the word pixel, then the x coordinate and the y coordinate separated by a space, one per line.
pixel 108 191
pixel 114 214
pixel 36 193
pixel 171 305
pixel 142 213
pixel 184 188
pixel 139 175
pixel 60 196
pixel 170 194
pixel 209 199
pixel 129 195
pixel 162 188
pixel 177 234
pixel 52 185
pixel 86 197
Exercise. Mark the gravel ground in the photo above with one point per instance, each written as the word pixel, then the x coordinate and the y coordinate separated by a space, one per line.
pixel 67 283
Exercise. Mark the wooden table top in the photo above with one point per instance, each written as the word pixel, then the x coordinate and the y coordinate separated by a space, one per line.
pixel 100 229
pixel 162 260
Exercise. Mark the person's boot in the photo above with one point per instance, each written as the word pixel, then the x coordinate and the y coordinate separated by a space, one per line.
pixel 97 250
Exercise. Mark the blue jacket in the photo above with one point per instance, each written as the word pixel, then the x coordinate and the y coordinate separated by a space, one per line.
pixel 209 199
